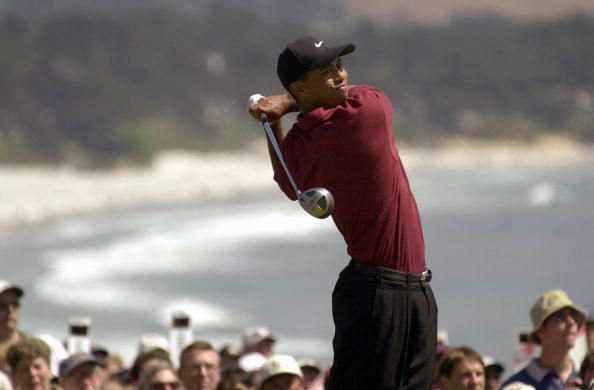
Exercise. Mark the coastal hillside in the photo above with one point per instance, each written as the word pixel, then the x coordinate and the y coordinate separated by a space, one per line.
pixel 96 89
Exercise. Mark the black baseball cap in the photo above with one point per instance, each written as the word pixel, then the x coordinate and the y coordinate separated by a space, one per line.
pixel 305 54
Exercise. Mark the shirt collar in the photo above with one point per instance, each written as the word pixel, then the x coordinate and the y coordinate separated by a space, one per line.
pixel 538 372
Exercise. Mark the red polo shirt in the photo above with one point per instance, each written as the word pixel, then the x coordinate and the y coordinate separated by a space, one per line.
pixel 350 150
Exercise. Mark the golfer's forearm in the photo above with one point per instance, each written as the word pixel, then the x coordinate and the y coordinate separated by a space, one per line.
pixel 279 106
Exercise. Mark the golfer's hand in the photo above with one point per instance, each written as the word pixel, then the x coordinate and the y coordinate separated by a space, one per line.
pixel 275 107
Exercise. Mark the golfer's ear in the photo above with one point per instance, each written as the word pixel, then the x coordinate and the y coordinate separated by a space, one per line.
pixel 296 88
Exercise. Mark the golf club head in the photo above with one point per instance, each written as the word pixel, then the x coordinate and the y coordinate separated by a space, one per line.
pixel 318 202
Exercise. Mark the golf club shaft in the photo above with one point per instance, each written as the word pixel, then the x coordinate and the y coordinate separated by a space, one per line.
pixel 272 139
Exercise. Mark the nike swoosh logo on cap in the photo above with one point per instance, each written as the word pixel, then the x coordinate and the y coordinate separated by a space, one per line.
pixel 319 44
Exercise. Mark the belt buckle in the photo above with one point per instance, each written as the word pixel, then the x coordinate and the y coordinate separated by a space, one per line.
pixel 426 276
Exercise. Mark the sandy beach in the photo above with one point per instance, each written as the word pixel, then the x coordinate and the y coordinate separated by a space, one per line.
pixel 36 194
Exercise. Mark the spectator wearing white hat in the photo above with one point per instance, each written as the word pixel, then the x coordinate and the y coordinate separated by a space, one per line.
pixel 258 339
pixel 10 315
pixel 556 321
pixel 281 372
pixel 251 364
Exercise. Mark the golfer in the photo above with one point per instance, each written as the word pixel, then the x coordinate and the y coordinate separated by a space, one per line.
pixel 384 311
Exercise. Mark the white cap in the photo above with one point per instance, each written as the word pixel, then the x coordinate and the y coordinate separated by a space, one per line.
pixel 5 285
pixel 251 362
pixel 278 365
pixel 255 334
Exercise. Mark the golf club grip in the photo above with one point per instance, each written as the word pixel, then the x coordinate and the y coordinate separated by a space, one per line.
pixel 279 154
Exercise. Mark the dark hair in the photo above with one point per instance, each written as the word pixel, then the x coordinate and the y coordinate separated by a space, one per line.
pixel 28 349
pixel 199 345
pixel 157 353
pixel 587 363
pixel 452 357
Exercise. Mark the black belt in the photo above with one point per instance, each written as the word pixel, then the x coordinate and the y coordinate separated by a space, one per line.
pixel 383 272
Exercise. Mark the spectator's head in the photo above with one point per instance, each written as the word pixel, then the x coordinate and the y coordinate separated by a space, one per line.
pixel 259 339
pixel 10 303
pixel 230 355
pixel 461 369
pixel 311 372
pixel 234 378
pixel 146 360
pixel 160 377
pixel 493 371
pixel 281 372
pixel 587 368
pixel 200 366
pixel 29 360
pixel 81 372
pixel 555 321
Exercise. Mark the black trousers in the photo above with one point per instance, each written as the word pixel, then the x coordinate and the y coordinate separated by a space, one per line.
pixel 385 331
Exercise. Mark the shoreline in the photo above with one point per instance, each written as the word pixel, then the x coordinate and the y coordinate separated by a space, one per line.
pixel 31 195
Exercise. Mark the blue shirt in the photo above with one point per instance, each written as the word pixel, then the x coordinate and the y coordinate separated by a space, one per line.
pixel 540 377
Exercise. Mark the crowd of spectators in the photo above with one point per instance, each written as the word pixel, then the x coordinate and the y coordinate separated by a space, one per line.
pixel 30 362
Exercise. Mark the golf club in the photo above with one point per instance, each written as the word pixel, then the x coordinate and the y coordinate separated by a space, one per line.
pixel 318 201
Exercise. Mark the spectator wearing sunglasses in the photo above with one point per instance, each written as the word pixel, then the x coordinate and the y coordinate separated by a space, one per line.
pixel 556 321
pixel 160 377
pixel 10 314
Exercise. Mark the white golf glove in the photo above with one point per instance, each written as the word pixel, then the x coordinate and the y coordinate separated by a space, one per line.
pixel 252 101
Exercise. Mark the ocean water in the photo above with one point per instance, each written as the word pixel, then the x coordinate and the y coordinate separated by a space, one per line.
pixel 496 239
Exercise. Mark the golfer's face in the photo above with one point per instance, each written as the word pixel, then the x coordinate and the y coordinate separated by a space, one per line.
pixel 326 86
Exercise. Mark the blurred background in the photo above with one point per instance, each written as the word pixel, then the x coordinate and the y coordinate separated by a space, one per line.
pixel 93 83
pixel 132 182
